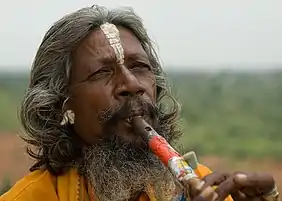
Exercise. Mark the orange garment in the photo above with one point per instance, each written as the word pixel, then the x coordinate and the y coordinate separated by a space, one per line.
pixel 40 185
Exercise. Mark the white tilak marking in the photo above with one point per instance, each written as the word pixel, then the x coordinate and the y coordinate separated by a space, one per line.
pixel 112 34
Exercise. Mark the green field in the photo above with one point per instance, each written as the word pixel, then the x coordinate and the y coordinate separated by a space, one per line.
pixel 226 114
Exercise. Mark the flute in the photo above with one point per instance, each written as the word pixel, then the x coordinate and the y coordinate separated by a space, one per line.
pixel 176 164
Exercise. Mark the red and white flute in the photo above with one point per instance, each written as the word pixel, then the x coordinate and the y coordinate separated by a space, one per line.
pixel 163 150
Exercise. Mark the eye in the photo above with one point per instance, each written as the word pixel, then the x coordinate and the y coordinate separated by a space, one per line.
pixel 140 66
pixel 100 74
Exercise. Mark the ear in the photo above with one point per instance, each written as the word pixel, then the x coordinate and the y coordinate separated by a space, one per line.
pixel 63 117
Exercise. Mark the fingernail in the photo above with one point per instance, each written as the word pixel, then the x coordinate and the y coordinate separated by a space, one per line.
pixel 241 177
pixel 207 191
pixel 215 196
pixel 200 185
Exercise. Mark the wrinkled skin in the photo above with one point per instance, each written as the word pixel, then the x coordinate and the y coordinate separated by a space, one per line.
pixel 98 83
pixel 241 186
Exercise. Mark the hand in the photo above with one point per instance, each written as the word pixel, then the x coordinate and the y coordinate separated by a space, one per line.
pixel 241 186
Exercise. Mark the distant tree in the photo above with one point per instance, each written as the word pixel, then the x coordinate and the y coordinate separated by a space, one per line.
pixel 227 113
pixel 5 186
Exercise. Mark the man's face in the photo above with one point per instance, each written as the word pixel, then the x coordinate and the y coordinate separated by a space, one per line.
pixel 100 86
pixel 105 93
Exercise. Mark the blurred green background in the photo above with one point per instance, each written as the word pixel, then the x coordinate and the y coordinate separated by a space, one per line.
pixel 229 114
pixel 238 112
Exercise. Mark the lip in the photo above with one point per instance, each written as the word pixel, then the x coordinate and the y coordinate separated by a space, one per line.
pixel 134 113
pixel 129 119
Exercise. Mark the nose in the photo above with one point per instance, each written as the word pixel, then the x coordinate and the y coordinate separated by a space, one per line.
pixel 128 85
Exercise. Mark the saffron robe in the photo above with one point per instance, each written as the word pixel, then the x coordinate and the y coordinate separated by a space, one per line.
pixel 40 185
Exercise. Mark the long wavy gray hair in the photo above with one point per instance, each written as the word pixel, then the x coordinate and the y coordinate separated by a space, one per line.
pixel 50 144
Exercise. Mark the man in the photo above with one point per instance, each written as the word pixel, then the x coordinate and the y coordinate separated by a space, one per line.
pixel 94 71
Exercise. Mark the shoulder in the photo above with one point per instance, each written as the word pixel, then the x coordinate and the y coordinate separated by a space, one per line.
pixel 37 185
pixel 202 170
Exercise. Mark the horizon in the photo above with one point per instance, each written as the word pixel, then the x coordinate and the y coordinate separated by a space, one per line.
pixel 232 68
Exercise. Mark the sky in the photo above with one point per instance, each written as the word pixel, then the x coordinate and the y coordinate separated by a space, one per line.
pixel 188 33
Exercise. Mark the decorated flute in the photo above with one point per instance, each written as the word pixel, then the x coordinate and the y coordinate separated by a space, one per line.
pixel 182 171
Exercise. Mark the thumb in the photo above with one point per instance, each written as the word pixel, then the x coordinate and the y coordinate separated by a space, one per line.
pixel 263 182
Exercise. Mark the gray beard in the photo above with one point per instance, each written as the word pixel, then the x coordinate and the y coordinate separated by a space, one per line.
pixel 118 173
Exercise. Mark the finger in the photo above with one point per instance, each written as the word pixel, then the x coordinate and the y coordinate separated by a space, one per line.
pixel 194 186
pixel 214 179
pixel 238 195
pixel 208 194
pixel 226 188
pixel 199 198
pixel 263 182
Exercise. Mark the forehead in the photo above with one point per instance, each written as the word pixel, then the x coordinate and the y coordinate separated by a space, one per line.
pixel 96 47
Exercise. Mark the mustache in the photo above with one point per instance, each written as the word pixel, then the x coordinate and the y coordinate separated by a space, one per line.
pixel 111 116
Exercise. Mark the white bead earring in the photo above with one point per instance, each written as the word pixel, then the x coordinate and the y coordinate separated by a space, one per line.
pixel 68 117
